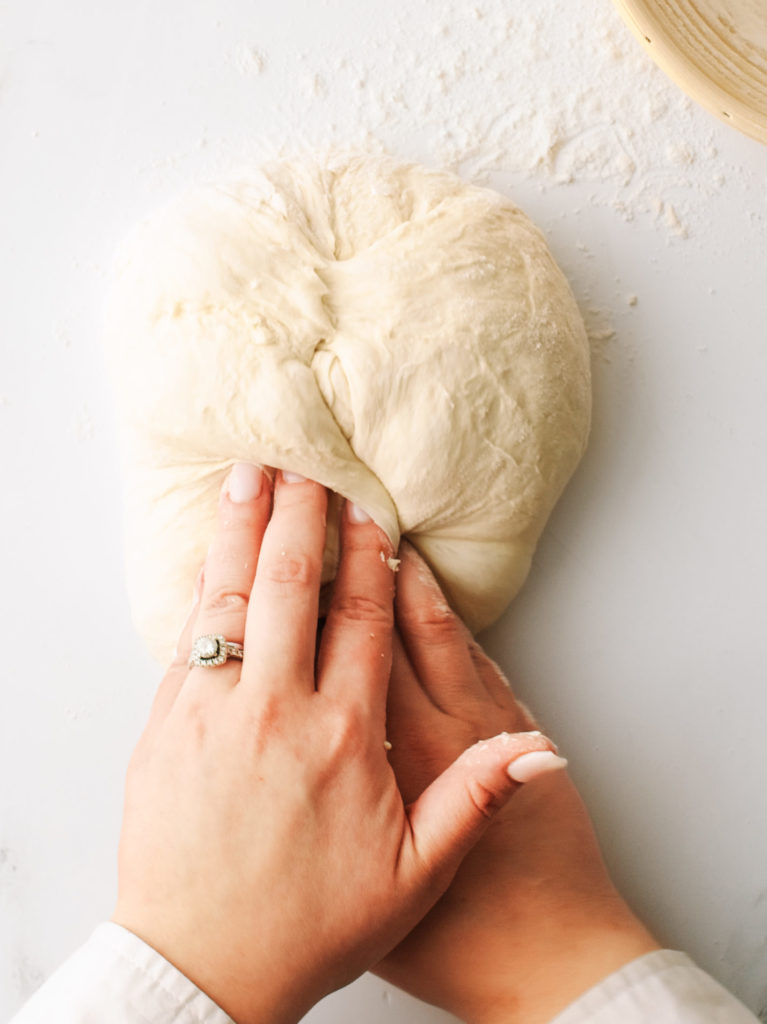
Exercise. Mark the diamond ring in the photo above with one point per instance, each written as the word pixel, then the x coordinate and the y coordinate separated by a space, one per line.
pixel 212 650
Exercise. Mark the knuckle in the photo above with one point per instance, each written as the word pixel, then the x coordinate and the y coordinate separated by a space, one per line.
pixel 436 623
pixel 292 570
pixel 485 800
pixel 362 608
pixel 346 733
pixel 227 599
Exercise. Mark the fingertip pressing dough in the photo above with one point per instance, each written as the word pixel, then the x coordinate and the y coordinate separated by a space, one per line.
pixel 400 336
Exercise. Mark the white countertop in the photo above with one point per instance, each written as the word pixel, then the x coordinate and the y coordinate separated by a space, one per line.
pixel 640 637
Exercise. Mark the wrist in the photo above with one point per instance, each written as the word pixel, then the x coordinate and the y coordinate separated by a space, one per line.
pixel 561 963
pixel 252 996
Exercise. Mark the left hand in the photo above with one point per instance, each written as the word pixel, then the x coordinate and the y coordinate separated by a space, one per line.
pixel 266 850
pixel 531 919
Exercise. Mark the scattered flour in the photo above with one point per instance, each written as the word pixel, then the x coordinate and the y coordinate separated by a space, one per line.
pixel 84 428
pixel 249 61
pixel 550 102
pixel 489 90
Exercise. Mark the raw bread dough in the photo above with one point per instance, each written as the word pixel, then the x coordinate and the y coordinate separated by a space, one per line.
pixel 400 336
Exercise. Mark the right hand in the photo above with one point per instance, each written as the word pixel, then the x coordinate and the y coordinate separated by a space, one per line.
pixel 531 919
pixel 266 850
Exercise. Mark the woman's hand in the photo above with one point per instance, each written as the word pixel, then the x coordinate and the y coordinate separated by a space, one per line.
pixel 266 849
pixel 531 919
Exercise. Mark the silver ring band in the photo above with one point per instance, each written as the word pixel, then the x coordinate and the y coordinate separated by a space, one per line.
pixel 211 650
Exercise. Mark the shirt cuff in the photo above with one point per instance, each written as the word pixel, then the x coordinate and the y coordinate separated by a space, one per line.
pixel 117 977
pixel 664 987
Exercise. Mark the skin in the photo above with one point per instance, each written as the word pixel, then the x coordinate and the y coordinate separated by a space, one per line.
pixel 531 920
pixel 267 850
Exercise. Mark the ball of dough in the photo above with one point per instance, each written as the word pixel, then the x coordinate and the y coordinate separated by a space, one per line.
pixel 400 336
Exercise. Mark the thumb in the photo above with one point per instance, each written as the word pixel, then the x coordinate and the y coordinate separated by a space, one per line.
pixel 452 813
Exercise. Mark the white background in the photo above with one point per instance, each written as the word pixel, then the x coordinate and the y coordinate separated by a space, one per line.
pixel 640 636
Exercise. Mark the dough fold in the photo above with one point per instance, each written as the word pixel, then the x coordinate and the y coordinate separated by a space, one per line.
pixel 400 336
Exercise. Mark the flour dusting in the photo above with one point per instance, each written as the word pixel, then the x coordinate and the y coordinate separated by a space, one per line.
pixel 490 90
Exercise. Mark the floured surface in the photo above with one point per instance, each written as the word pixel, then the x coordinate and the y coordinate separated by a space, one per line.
pixel 402 337
pixel 639 636
pixel 491 89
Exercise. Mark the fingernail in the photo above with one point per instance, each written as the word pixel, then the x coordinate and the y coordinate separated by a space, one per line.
pixel 537 732
pixel 292 478
pixel 538 762
pixel 245 482
pixel 357 514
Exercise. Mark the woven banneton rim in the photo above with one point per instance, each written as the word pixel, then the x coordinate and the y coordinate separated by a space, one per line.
pixel 715 50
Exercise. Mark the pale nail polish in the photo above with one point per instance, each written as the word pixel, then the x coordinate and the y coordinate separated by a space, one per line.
pixel 537 762
pixel 536 732
pixel 245 482
pixel 292 478
pixel 356 514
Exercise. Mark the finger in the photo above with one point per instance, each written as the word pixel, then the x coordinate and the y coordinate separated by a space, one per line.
pixel 230 565
pixel 407 700
pixel 421 736
pixel 435 639
pixel 499 689
pixel 453 812
pixel 186 636
pixel 178 670
pixel 356 651
pixel 282 618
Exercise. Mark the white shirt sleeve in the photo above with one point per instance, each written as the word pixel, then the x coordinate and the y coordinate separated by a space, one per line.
pixel 664 987
pixel 117 978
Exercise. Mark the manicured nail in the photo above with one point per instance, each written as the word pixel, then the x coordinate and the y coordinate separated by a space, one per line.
pixel 292 478
pixel 536 732
pixel 245 482
pixel 357 514
pixel 538 762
